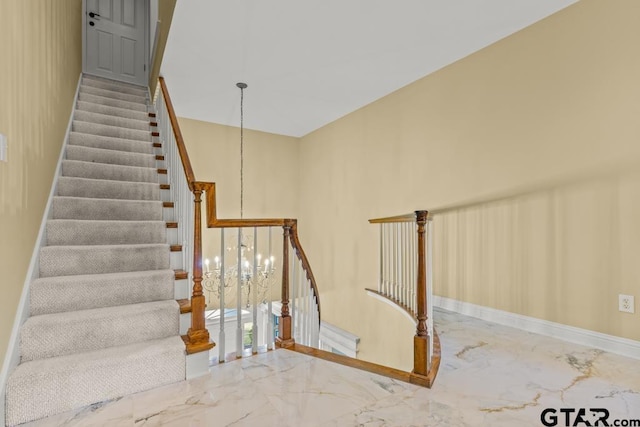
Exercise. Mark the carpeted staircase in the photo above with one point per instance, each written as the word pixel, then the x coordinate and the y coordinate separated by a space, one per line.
pixel 103 321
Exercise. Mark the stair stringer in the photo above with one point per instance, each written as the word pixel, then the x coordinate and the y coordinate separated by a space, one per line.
pixel 197 364
pixel 12 355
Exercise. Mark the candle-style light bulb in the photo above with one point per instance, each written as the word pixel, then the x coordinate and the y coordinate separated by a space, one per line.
pixel 206 263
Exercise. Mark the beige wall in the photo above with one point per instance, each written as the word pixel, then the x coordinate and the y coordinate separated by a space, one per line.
pixel 271 188
pixel 557 101
pixel 165 15
pixel 40 47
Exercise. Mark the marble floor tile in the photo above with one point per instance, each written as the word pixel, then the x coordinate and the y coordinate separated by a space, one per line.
pixel 491 375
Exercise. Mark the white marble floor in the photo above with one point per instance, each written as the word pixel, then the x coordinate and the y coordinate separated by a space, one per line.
pixel 491 375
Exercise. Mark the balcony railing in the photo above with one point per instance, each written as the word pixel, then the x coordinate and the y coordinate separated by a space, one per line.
pixel 406 251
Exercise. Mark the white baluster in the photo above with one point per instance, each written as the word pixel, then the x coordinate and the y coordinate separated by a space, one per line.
pixel 381 281
pixel 414 268
pixel 254 331
pixel 305 312
pixel 430 289
pixel 270 337
pixel 239 298
pixel 221 350
pixel 405 257
pixel 294 278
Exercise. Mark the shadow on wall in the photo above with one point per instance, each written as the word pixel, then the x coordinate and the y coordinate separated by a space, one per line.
pixel 561 252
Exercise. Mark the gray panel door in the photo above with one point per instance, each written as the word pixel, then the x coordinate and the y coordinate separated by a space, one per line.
pixel 115 44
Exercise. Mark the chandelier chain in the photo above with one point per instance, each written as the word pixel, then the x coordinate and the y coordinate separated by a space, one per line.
pixel 241 152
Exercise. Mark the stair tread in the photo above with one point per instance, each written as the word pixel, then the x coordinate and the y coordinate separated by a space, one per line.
pixel 118 172
pixel 127 105
pixel 68 293
pixel 133 144
pixel 129 123
pixel 113 111
pixel 94 259
pixel 115 94
pixel 90 187
pixel 98 313
pixel 64 232
pixel 69 207
pixel 102 129
pixel 80 379
pixel 109 157
pixel 57 334
pixel 101 247
pixel 115 83
pixel 114 276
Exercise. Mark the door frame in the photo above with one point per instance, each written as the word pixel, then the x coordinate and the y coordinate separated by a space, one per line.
pixel 146 53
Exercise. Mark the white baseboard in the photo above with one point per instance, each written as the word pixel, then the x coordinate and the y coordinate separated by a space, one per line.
pixel 610 343
pixel 12 356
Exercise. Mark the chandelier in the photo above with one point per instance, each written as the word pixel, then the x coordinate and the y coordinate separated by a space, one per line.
pixel 249 271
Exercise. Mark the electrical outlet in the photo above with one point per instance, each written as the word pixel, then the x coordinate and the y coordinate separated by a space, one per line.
pixel 626 303
pixel 3 148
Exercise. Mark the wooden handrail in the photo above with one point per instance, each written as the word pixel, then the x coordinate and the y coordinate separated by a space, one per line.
pixel 290 227
pixel 399 218
pixel 197 338
pixel 422 373
pixel 182 149
pixel 295 243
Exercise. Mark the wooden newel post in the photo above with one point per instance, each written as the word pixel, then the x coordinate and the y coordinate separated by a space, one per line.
pixel 284 329
pixel 421 339
pixel 198 335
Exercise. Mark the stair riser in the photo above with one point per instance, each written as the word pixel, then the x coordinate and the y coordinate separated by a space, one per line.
pixel 112 102
pixel 75 260
pixel 67 333
pixel 123 87
pixel 111 157
pixel 111 143
pixel 185 323
pixel 108 210
pixel 111 131
pixel 112 111
pixel 182 289
pixel 103 375
pixel 108 93
pixel 168 214
pixel 77 232
pixel 177 261
pixel 104 119
pixel 101 189
pixel 110 172
pixel 69 293
pixel 172 236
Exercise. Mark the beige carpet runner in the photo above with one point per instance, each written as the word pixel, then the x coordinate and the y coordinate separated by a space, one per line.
pixel 103 318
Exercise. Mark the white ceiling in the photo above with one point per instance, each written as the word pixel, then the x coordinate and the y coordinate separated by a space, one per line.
pixel 308 63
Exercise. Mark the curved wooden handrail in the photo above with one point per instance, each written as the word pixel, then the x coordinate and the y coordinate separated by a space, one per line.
pixel 197 338
pixel 399 218
pixel 182 149
pixel 213 222
pixel 295 243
